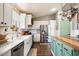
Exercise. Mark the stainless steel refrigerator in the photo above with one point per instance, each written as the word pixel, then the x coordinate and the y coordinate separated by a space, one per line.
pixel 43 33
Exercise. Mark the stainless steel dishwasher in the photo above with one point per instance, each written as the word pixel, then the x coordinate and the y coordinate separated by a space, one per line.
pixel 18 50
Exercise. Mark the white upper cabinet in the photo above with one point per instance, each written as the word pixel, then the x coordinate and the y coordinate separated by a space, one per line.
pixel 15 18
pixel 1 14
pixel 29 19
pixel 22 20
pixel 25 20
pixel 1 11
pixel 7 14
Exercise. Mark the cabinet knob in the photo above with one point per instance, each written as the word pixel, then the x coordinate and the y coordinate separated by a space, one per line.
pixel 66 49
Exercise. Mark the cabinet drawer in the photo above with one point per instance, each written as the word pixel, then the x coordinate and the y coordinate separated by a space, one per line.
pixel 66 54
pixel 67 49
pixel 76 53
pixel 59 43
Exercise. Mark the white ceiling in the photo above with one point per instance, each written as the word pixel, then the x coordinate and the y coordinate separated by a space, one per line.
pixel 39 9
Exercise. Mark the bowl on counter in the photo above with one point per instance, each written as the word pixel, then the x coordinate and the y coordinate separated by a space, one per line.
pixel 25 33
pixel 3 39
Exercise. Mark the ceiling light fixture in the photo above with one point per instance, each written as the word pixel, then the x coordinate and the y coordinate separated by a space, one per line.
pixel 53 9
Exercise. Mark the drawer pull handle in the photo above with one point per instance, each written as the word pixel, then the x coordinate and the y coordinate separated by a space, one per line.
pixel 66 49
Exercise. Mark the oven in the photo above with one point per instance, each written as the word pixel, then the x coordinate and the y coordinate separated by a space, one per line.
pixel 18 50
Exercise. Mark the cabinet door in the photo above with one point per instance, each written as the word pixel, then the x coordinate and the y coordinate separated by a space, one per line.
pixel 22 20
pixel 75 53
pixel 59 48
pixel 64 27
pixel 8 53
pixel 67 49
pixel 66 54
pixel 30 42
pixel 55 47
pixel 7 13
pixel 26 47
pixel 15 18
pixel 1 11
pixel 52 45
pixel 28 19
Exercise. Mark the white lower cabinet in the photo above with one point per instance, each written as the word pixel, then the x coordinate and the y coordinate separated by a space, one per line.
pixel 8 53
pixel 36 37
pixel 27 45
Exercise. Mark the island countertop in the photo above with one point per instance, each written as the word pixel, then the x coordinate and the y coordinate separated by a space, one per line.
pixel 71 41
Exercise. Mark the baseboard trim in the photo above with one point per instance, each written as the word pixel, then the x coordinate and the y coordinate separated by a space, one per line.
pixel 52 53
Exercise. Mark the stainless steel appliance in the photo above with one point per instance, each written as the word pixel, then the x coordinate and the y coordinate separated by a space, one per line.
pixel 18 50
pixel 43 33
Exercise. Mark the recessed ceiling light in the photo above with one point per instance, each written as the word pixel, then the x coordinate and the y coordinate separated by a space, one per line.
pixel 53 9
